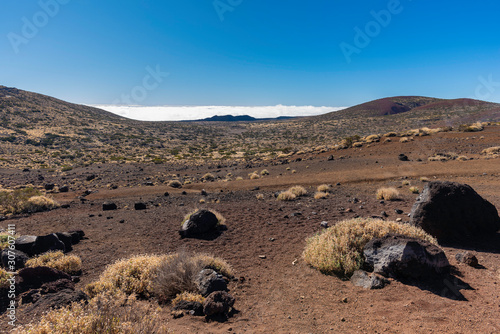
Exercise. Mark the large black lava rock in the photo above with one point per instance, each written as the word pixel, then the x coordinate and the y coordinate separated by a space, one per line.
pixel 454 212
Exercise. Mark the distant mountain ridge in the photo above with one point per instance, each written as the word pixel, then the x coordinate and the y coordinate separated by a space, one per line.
pixel 239 118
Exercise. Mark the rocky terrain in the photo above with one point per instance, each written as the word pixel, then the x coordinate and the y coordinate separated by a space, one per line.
pixel 274 288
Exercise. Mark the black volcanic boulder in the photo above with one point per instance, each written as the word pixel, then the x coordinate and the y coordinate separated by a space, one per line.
pixel 76 236
pixel 66 239
pixel 25 243
pixel 454 212
pixel 35 277
pixel 208 281
pixel 140 206
pixel 56 300
pixel 402 257
pixel 218 303
pixel 15 257
pixel 200 222
pixel 46 243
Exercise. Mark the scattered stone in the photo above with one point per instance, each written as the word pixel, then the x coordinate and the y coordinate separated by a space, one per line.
pixel 184 193
pixel 399 220
pixel 398 211
pixel 399 256
pixel 324 224
pixel 454 212
pixel 368 281
pixel 200 222
pixel 19 259
pixel 185 305
pixel 65 206
pixel 219 302
pixel 204 192
pixel 149 184
pixel 467 258
pixel 64 189
pixel 208 281
pixel 91 177
pixel 331 158
pixel 49 186
pixel 262 257
pixel 384 214
pixel 166 194
pixel 109 206
pixel 140 206
pixel 403 157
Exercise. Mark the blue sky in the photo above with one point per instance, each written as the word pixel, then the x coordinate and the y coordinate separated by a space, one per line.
pixel 250 53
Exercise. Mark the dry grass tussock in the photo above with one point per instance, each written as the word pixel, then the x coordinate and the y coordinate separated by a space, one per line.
pixel 254 176
pixel 414 190
pixel 298 191
pixel 324 188
pixel 175 184
pixel 26 200
pixel 320 195
pixel 188 297
pixel 491 150
pixel 286 196
pixel 156 276
pixel 264 172
pixel 208 177
pixel 111 314
pixel 70 264
pixel 260 197
pixel 388 194
pixel 338 250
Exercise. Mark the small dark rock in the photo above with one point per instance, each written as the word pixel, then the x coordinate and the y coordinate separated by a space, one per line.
pixel 64 189
pixel 76 236
pixel 184 305
pixel 49 186
pixel 200 222
pixel 368 281
pixel 403 157
pixel 140 206
pixel 467 258
pixel 204 192
pixel 218 303
pixel 398 211
pixel 208 281
pixel 109 206
pixel 166 194
pixel 324 224
pixel 331 158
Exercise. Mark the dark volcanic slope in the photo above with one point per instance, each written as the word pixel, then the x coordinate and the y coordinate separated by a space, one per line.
pixel 425 106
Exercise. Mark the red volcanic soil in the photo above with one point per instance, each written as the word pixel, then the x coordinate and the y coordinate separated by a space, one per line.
pixel 281 293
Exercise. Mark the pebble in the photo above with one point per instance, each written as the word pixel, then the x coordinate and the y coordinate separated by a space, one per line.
pixel 262 256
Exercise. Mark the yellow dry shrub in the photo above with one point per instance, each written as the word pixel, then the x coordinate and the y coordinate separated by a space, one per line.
pixel 491 150
pixel 70 264
pixel 414 190
pixel 324 188
pixel 404 140
pixel 260 197
pixel 264 172
pixel 320 195
pixel 388 194
pixel 187 297
pixel 298 191
pixel 175 184
pixel 286 196
pixel 208 177
pixel 338 250
pixel 131 276
pixel 357 144
pixel 105 313
pixel 372 139
pixel 254 176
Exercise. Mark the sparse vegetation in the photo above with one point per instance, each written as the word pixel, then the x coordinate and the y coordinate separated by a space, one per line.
pixel 320 195
pixel 208 177
pixel 388 194
pixel 286 196
pixel 414 190
pixel 175 184
pixel 298 191
pixel 27 200
pixel 260 197
pixel 325 188
pixel 338 250
pixel 70 264
pixel 4 276
pixel 254 176
pixel 264 172
pixel 491 151
pixel 188 297
pixel 111 314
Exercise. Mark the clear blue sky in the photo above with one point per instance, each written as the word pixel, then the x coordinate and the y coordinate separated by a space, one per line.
pixel 261 53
